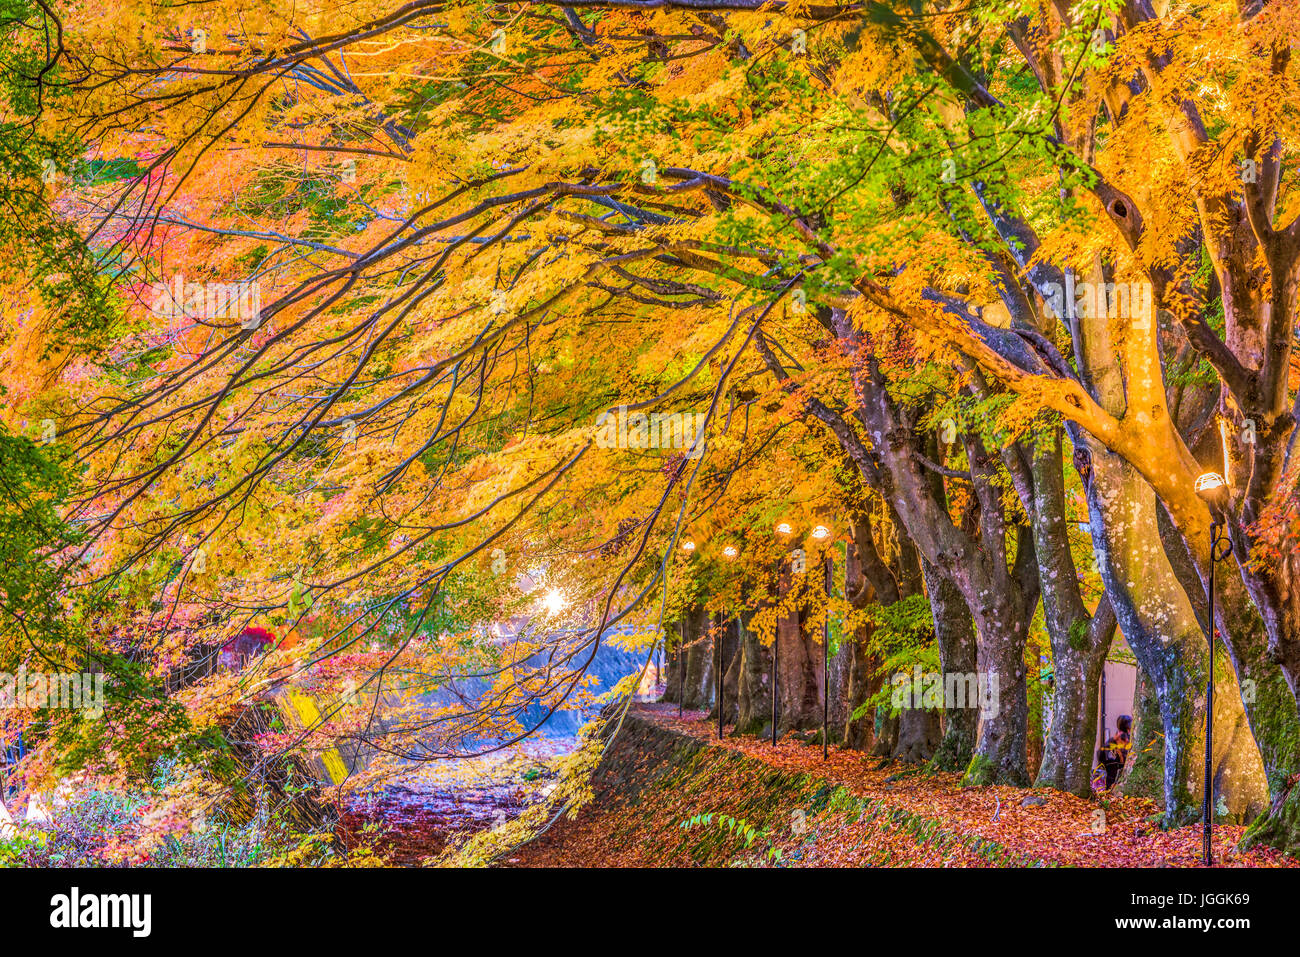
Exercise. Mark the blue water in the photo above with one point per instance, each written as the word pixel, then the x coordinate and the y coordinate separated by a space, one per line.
pixel 609 666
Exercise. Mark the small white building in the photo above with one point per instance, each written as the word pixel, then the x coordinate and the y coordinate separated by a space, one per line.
pixel 1117 692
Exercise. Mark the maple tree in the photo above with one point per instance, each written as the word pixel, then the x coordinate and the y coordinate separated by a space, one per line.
pixel 376 311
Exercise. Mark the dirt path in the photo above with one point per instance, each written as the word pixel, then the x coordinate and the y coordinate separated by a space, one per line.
pixel 1038 823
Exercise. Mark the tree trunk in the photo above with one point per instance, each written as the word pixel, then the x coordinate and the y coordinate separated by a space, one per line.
pixel 699 661
pixel 674 655
pixel 1077 660
pixel 867 580
pixel 799 657
pixel 886 736
pixel 1157 619
pixel 957 656
pixel 838 712
pixel 754 697
pixel 1264 688
pixel 1000 747
pixel 863 683
pixel 1161 627
pixel 1000 599
pixel 1079 641
pixel 918 735
pixel 1144 775
pixel 727 657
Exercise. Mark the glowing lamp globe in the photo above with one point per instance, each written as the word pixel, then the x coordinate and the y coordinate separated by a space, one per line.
pixel 1212 489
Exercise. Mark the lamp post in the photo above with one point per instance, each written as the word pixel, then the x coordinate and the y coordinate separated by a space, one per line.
pixel 717 665
pixel 681 667
pixel 688 547
pixel 783 529
pixel 730 552
pixel 1213 490
pixel 820 534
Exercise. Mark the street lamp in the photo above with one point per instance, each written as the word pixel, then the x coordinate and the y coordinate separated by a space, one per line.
pixel 1213 490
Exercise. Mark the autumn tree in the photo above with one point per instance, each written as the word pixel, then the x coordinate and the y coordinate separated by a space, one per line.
pixel 387 267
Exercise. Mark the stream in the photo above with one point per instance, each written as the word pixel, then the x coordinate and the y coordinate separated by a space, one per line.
pixel 414 815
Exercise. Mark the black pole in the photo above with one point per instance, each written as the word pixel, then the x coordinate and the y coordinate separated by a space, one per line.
pixel 1207 827
pixel 826 660
pixel 776 646
pixel 681 666
pixel 717 654
pixel 1103 702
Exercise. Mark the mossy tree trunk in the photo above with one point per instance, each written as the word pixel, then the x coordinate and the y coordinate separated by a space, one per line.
pixel 863 683
pixel 1000 587
pixel 1144 774
pixel 799 665
pixel 918 735
pixel 957 656
pixel 698 690
pixel 754 694
pixel 1161 627
pixel 674 656
pixel 1079 640
pixel 871 579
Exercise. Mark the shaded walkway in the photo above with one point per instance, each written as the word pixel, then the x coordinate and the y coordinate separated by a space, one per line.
pixel 930 809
